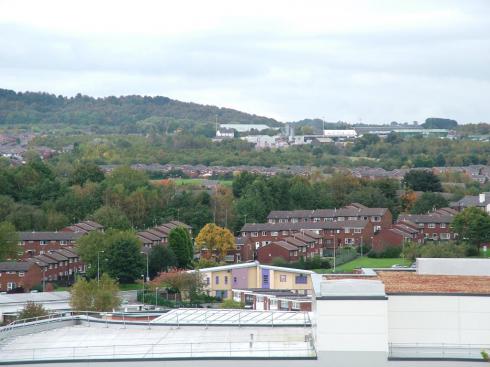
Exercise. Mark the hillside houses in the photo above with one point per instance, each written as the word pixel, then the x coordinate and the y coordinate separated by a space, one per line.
pixel 158 235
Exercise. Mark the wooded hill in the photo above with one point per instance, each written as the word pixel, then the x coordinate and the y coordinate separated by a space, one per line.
pixel 125 112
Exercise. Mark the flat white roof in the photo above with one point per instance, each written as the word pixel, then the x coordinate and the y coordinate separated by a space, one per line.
pixel 199 316
pixel 34 297
pixel 99 341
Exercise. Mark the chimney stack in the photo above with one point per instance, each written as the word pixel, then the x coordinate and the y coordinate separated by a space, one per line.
pixel 482 198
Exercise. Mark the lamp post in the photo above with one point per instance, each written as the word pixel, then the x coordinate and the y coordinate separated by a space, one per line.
pixel 147 266
pixel 98 265
pixel 156 296
pixel 143 277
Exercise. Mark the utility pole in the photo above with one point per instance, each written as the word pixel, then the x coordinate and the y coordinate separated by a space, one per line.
pixel 147 266
pixel 361 245
pixel 334 251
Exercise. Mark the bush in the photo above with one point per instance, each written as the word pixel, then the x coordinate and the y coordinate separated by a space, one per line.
pixel 434 249
pixel 32 310
pixel 472 251
pixel 229 303
pixel 387 253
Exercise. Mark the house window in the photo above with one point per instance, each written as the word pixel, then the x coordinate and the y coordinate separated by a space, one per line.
pixel 283 278
pixel 340 219
pixel 301 279
pixel 43 242
pixel 226 279
pixel 445 236
pixel 431 225
pixel 21 274
pixel 294 220
pixel 11 285
pixel 376 219
pixel 442 225
pixel 274 234
pixel 255 234
pixel 285 233
pixel 357 230
pixel 265 279
pixel 62 242
pixel 264 233
pixel 216 279
pixel 235 280
pixel 347 230
pixel 349 241
pixel 22 243
pixel 295 305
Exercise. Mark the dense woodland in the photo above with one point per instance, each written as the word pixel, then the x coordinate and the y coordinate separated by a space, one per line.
pixel 50 195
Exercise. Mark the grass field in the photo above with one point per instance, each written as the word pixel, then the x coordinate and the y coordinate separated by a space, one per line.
pixel 366 262
pixel 198 181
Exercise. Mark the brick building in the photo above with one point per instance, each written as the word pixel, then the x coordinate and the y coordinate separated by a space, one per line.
pixel 59 265
pixel 39 243
pixel 84 227
pixel 19 274
pixel 396 236
pixel 340 233
pixel 380 217
pixel 159 235
pixel 434 226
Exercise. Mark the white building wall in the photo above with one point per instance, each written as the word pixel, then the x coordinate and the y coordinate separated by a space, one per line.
pixel 439 319
pixel 351 325
pixel 453 266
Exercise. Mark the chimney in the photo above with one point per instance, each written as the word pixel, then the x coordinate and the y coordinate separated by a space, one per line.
pixel 482 198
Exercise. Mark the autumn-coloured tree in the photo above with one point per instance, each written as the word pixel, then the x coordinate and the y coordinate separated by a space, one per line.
pixel 185 283
pixel 216 240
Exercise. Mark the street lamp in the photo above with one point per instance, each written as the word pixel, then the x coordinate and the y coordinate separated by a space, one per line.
pixel 98 265
pixel 147 267
pixel 156 296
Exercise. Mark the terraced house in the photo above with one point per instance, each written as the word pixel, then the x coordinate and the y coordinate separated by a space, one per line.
pixel 380 217
pixel 433 226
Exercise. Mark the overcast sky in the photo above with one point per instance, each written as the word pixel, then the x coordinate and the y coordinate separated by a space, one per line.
pixel 369 61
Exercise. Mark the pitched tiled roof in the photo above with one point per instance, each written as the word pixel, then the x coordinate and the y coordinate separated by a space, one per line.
pixel 426 218
pixel 257 227
pixel 49 236
pixel 15 265
pixel 286 245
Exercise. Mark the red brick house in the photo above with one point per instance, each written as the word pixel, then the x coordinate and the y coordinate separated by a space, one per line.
pixel 59 265
pixel 396 236
pixel 39 243
pixel 19 274
pixel 434 226
pixel 84 227
pixel 278 249
pixel 348 232
pixel 380 217
pixel 159 235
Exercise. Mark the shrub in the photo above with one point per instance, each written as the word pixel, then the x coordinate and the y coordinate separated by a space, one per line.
pixel 32 310
pixel 229 303
pixel 387 253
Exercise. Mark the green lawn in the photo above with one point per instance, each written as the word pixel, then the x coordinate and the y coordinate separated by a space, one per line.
pixel 197 181
pixel 366 262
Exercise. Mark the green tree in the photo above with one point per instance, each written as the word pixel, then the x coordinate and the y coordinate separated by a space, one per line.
pixel 429 201
pixel 473 225
pixel 86 171
pixel 32 310
pixel 422 180
pixel 8 241
pixel 161 259
pixel 89 247
pixel 95 296
pixel 124 260
pixel 180 243
pixel 111 217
